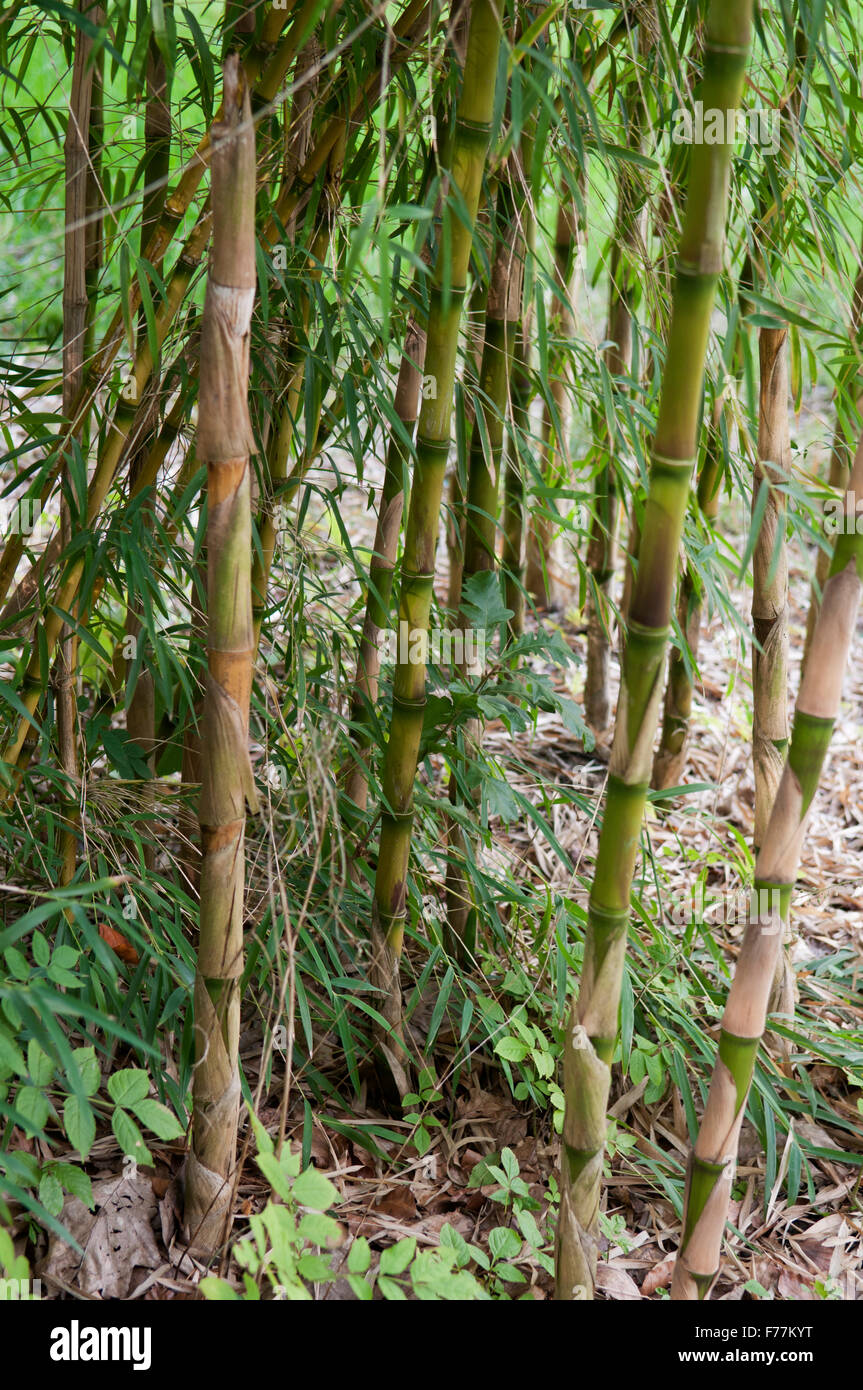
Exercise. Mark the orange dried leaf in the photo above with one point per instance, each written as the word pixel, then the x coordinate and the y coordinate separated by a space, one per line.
pixel 119 944
pixel 659 1277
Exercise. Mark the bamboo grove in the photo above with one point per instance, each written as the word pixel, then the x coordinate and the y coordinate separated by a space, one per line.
pixel 402 403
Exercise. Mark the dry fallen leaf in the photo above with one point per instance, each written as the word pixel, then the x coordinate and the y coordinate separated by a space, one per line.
pixel 117 1239
pixel 791 1288
pixel 119 944
pixel 399 1203
pixel 659 1277
pixel 616 1284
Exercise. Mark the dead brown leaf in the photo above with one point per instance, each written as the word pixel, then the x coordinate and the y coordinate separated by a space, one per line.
pixel 117 1239
pixel 616 1284
pixel 399 1203
pixel 659 1277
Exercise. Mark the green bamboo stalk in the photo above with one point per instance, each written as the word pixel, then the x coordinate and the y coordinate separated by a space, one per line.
pixel 670 761
pixel 770 606
pixel 513 554
pixel 623 288
pixel 712 1163
pixel 78 290
pixel 455 515
pixel 224 441
pixel 382 564
pixel 281 482
pixel 503 315
pixel 666 221
pixel 513 548
pixel 592 1030
pixel 839 454
pixel 141 700
pixel 570 238
pixel 470 145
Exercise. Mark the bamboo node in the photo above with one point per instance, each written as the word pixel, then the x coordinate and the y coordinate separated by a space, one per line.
pixel 406 702
pixel 422 575
pixel 732 50
pixel 479 128
pixel 450 292
pixel 433 446
pixel 666 462
pixel 657 635
pixel 608 922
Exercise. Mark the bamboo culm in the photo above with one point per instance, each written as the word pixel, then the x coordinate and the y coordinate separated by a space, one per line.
pixel 470 145
pixel 81 157
pixel 770 607
pixel 628 239
pixel 503 314
pixel 224 441
pixel 712 1163
pixel 570 238
pixel 669 764
pixel 591 1032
